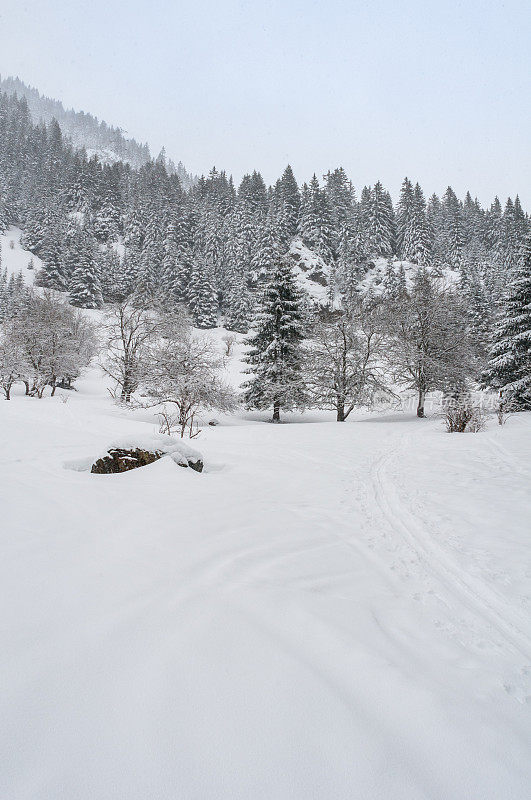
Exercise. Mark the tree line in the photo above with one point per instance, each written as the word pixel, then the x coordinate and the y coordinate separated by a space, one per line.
pixel 113 234
pixel 106 231
pixel 410 336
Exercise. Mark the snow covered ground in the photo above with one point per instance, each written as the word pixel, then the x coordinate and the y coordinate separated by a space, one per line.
pixel 328 611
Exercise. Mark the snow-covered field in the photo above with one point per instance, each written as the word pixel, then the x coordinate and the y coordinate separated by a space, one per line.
pixel 329 611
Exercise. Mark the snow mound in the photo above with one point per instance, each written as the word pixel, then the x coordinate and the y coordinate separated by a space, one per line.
pixel 313 275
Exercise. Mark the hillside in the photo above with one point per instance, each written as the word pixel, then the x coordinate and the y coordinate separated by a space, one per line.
pixel 84 130
pixel 212 247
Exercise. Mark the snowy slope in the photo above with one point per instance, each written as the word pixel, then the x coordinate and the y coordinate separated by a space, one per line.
pixel 328 611
pixel 14 258
pixel 374 279
pixel 313 275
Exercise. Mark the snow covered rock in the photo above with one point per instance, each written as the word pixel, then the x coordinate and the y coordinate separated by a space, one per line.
pixel 313 275
pixel 130 453
pixel 121 460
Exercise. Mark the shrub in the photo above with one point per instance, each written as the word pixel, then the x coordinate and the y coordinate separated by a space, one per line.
pixel 464 416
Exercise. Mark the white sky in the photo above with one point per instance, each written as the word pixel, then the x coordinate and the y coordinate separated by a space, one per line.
pixel 440 91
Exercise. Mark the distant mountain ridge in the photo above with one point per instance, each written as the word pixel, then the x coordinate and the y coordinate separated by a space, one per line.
pixel 84 130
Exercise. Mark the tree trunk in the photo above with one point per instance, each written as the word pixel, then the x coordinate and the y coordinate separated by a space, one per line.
pixel 7 390
pixel 340 412
pixel 183 420
pixel 420 407
pixel 126 393
pixel 26 384
pixel 127 385
pixel 276 413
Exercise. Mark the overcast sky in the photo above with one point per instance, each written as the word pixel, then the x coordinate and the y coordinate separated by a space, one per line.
pixel 439 91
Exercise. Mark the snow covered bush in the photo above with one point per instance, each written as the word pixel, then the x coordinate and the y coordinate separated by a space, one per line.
pixel 229 340
pixel 12 364
pixel 462 415
pixel 184 371
pixel 46 341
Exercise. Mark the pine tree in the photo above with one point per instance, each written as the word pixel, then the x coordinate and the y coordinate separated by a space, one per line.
pixel 340 195
pixel 266 254
pixel 4 300
pixel 3 214
pixel 494 233
pixel 127 274
pixel 202 295
pixel 341 201
pixel 380 223
pixel 240 310
pixel 475 238
pixel 33 235
pixel 275 357
pixel 420 234
pixel 107 220
pixel 315 224
pixel 287 204
pixel 404 220
pixel 85 288
pixel 52 274
pixel 514 232
pixel 110 268
pixel 479 309
pixel 452 230
pixel 509 368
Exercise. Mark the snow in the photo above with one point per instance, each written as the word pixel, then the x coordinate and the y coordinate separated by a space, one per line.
pixel 329 611
pixel 312 273
pixel 374 280
pixel 104 154
pixel 16 258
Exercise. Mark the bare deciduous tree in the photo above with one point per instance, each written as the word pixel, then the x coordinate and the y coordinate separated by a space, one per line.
pixel 184 370
pixel 343 359
pixel 428 345
pixel 130 331
pixel 50 341
pixel 229 340
pixel 12 363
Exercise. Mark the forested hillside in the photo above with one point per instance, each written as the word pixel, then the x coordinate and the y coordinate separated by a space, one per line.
pixel 108 231
pixel 85 131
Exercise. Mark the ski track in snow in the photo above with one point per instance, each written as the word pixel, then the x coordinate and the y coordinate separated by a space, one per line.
pixel 493 624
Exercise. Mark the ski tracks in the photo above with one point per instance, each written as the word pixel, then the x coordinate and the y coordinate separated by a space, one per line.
pixel 466 608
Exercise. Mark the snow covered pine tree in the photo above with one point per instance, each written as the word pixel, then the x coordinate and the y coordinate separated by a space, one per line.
pixel 509 367
pixel 275 358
